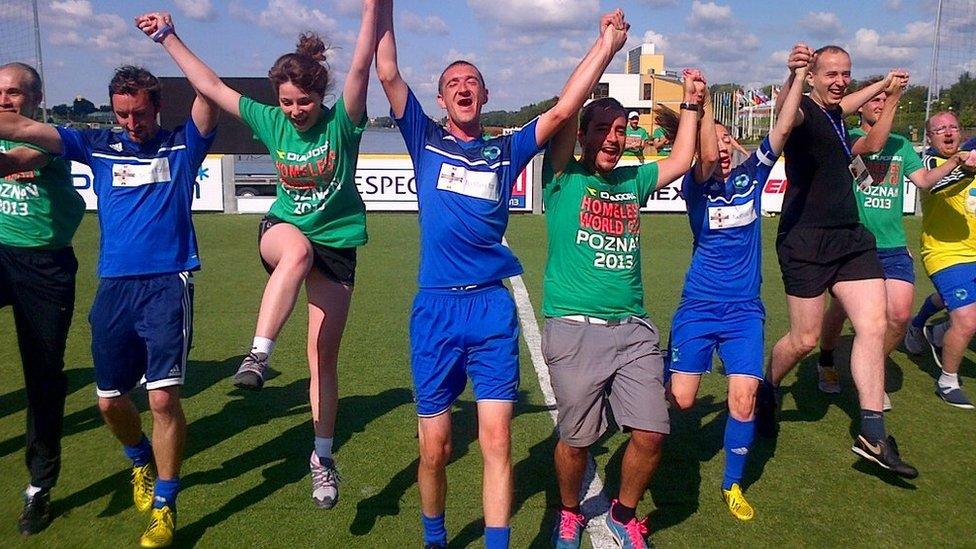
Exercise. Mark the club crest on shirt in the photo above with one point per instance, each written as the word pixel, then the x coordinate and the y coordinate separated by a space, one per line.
pixel 491 152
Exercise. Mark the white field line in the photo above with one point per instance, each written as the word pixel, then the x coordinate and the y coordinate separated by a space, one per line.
pixel 595 503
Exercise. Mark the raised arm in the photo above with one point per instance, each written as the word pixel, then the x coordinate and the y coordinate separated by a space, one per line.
pixel 878 135
pixel 800 57
pixel 613 34
pixel 792 92
pixel 927 178
pixel 853 101
pixel 707 143
pixel 683 149
pixel 14 127
pixel 386 60
pixel 159 26
pixel 563 145
pixel 354 90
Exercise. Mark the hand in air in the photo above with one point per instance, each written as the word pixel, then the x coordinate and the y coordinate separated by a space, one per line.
pixel 151 23
pixel 613 29
pixel 801 56
pixel 695 87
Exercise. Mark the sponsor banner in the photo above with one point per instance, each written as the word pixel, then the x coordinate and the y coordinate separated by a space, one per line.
pixel 208 193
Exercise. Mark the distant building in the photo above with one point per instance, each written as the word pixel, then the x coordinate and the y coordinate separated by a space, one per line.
pixel 643 84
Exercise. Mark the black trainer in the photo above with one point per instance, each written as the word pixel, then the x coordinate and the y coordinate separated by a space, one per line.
pixel 767 408
pixel 36 514
pixel 885 454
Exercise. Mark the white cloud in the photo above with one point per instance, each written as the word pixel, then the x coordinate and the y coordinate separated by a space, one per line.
pixel 418 24
pixel 709 15
pixel 659 40
pixel 288 18
pixel 201 10
pixel 349 8
pixel 660 3
pixel 893 5
pixel 869 50
pixel 538 15
pixel 823 25
pixel 78 9
pixel 918 34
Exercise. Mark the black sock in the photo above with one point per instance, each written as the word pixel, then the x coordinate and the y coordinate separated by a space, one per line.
pixel 827 358
pixel 621 513
pixel 872 425
pixel 574 509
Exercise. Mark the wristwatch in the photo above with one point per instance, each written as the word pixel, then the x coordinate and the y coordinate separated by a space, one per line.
pixel 691 107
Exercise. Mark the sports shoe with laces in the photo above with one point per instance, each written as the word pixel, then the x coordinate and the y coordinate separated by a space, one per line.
pixel 325 482
pixel 627 536
pixel 737 503
pixel 162 527
pixel 829 381
pixel 885 454
pixel 250 375
pixel 914 340
pixel 143 478
pixel 568 532
pixel 886 403
pixel 954 396
pixel 36 514
pixel 935 344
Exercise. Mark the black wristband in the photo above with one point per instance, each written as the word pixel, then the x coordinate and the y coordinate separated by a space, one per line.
pixel 691 107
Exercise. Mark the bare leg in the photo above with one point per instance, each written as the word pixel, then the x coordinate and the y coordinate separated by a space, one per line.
pixel 641 458
pixel 435 451
pixel 494 437
pixel 864 301
pixel 169 430
pixel 328 308
pixel 806 318
pixel 570 468
pixel 122 418
pixel 289 252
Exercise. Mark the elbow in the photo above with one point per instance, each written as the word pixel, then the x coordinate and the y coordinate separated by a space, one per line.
pixel 387 74
pixel 709 157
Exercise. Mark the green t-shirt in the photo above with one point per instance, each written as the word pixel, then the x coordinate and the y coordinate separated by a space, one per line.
pixel 881 205
pixel 39 208
pixel 658 134
pixel 636 138
pixel 594 264
pixel 316 171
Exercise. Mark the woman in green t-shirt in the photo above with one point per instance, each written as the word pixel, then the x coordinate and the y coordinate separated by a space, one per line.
pixel 318 219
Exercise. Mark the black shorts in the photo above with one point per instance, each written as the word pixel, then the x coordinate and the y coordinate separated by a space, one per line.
pixel 813 259
pixel 337 264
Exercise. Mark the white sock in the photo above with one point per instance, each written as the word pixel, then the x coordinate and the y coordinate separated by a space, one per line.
pixel 32 490
pixel 950 381
pixel 323 447
pixel 262 345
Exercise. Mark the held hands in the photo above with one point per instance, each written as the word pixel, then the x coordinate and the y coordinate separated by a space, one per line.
pixel 897 81
pixel 967 161
pixel 695 87
pixel 156 25
pixel 613 29
pixel 801 57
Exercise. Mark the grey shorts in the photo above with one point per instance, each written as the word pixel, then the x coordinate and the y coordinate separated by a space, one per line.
pixel 601 369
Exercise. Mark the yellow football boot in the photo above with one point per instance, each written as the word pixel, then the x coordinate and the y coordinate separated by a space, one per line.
pixel 162 527
pixel 142 487
pixel 737 503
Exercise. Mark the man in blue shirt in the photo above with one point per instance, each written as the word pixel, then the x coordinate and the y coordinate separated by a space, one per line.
pixel 464 321
pixel 141 317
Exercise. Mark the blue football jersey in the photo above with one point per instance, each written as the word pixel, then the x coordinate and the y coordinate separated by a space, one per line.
pixel 144 191
pixel 463 190
pixel 726 262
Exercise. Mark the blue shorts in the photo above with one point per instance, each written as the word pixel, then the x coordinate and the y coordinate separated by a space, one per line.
pixel 459 333
pixel 734 329
pixel 956 285
pixel 141 331
pixel 897 264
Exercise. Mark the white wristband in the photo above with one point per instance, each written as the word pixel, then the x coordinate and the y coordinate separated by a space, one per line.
pixel 162 33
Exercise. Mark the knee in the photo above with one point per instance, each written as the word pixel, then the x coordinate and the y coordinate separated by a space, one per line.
pixel 495 440
pixel 742 404
pixel 964 322
pixel 898 320
pixel 646 443
pixel 297 259
pixel 434 454
pixel 112 407
pixel 165 403
pixel 683 401
pixel 805 342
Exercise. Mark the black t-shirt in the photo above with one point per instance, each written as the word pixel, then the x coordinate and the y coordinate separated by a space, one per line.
pixel 821 189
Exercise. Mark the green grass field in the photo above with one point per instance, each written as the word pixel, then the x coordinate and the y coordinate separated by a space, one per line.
pixel 245 476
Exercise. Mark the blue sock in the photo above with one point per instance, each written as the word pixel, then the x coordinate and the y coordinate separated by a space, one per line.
pixel 925 312
pixel 434 530
pixel 496 537
pixel 141 453
pixel 165 491
pixel 872 425
pixel 738 438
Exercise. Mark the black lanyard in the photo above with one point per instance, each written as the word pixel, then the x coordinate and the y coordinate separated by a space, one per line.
pixel 839 130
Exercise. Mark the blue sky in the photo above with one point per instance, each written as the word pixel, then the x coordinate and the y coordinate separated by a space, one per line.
pixel 526 48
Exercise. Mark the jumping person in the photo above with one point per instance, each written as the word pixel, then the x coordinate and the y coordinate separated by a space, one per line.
pixel 889 158
pixel 38 217
pixel 823 247
pixel 721 309
pixel 141 320
pixel 464 321
pixel 602 350
pixel 318 219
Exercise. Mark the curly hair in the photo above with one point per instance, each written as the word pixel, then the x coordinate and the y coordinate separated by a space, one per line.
pixel 306 68
pixel 130 80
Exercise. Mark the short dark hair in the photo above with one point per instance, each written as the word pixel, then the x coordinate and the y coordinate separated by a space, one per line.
pixel 305 67
pixel 440 81
pixel 830 48
pixel 34 85
pixel 602 104
pixel 130 80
